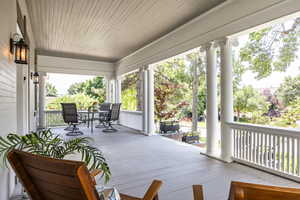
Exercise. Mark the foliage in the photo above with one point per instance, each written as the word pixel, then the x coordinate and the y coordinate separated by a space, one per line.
pixel 47 144
pixel 95 88
pixel 272 49
pixel 82 101
pixel 129 92
pixel 247 99
pixel 129 100
pixel 292 114
pixel 289 90
pixel 258 118
pixel 173 88
pixel 51 91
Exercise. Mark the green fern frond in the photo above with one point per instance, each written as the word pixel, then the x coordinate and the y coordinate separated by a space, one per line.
pixel 45 143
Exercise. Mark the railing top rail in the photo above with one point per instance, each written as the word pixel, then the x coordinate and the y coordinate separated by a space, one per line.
pixel 265 129
pixel 132 112
pixel 52 111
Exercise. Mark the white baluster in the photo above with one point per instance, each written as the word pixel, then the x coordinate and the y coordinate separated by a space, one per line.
pixel 255 148
pixel 298 156
pixel 283 154
pixel 293 171
pixel 288 154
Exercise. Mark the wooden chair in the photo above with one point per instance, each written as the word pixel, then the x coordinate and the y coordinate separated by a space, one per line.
pixel 248 191
pixel 46 178
pixel 151 194
pixel 198 192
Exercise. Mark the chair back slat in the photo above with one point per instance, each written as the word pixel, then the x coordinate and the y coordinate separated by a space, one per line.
pixel 69 111
pixel 115 111
pixel 105 107
pixel 44 178
pixel 248 191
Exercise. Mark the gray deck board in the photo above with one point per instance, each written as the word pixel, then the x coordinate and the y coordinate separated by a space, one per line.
pixel 135 160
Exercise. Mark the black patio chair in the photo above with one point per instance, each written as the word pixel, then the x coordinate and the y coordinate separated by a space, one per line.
pixel 70 116
pixel 104 110
pixel 111 117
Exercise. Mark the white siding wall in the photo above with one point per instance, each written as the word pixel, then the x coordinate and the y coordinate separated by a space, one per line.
pixel 7 84
pixel 132 119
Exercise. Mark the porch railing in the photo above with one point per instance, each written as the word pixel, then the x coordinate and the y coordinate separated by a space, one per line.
pixel 276 150
pixel 53 118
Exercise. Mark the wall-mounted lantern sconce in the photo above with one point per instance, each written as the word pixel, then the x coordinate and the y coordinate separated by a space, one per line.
pixel 19 48
pixel 35 77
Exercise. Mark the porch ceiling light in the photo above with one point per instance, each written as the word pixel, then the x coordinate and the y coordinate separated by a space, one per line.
pixel 19 48
pixel 35 78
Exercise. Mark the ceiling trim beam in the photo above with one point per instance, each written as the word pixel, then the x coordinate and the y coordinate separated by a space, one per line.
pixel 51 64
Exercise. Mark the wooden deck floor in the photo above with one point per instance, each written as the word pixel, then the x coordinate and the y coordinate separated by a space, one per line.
pixel 136 160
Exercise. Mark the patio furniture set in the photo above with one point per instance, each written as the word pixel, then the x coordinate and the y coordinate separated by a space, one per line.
pixel 106 114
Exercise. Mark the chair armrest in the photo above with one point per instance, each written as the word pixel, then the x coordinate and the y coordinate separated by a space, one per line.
pixel 127 197
pixel 198 192
pixel 152 192
pixel 94 173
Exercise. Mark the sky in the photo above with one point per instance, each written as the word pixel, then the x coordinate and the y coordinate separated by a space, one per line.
pixel 62 82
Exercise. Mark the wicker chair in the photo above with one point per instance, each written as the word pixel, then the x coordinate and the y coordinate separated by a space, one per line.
pixel 112 116
pixel 70 116
pixel 48 178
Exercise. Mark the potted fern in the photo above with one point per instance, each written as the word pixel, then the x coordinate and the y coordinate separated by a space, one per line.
pixel 46 143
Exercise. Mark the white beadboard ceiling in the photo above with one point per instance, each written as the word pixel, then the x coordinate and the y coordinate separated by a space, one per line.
pixel 107 30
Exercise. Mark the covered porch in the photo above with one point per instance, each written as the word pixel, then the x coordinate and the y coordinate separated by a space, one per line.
pixel 120 43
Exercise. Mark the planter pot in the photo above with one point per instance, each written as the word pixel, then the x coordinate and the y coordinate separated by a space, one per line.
pixel 190 139
pixel 169 126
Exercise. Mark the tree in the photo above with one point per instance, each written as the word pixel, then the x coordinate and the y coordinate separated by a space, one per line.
pixel 83 101
pixel 292 114
pixel 289 90
pixel 130 94
pixel 94 88
pixel 247 99
pixel 272 49
pixel 51 91
pixel 76 88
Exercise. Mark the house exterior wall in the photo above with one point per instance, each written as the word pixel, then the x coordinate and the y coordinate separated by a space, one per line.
pixel 8 111
pixel 132 119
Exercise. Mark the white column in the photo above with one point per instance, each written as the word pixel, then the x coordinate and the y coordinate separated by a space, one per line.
pixel 145 101
pixel 212 101
pixel 226 99
pixel 42 88
pixel 20 99
pixel 150 95
pixel 108 90
pixel 195 93
pixel 118 89
pixel 113 91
